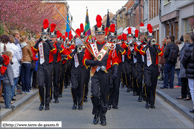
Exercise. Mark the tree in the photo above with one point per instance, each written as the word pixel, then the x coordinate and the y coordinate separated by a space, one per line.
pixel 26 15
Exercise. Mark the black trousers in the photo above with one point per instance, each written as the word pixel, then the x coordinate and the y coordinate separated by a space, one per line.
pixel 34 80
pixel 128 74
pixel 62 78
pixel 185 88
pixel 78 81
pixel 114 91
pixel 100 90
pixel 44 79
pixel 87 78
pixel 67 72
pixel 151 76
pixel 134 78
pixel 140 77
pixel 123 74
pixel 56 76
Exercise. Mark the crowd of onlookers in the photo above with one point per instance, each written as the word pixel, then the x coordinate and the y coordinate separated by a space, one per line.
pixel 18 65
pixel 178 56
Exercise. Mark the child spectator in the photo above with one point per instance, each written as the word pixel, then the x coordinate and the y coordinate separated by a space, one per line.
pixel 8 82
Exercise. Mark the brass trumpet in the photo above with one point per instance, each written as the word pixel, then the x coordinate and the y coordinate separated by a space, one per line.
pixel 44 37
pixel 79 48
pixel 153 41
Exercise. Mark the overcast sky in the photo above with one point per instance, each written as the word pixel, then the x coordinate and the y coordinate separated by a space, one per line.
pixel 78 10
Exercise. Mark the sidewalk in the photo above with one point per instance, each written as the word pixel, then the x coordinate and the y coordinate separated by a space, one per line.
pixel 170 95
pixel 20 100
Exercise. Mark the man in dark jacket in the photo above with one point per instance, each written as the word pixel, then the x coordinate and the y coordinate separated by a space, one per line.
pixel 170 54
pixel 188 63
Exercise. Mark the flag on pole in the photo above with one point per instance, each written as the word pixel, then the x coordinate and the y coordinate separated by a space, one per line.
pixel 87 26
pixel 108 22
pixel 67 25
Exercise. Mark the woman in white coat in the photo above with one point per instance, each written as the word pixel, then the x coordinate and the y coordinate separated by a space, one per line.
pixel 16 59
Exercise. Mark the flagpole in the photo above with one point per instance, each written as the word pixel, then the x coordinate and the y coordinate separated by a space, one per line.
pixel 75 33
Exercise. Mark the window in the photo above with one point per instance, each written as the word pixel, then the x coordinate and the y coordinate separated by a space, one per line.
pixel 187 26
pixel 176 30
pixel 166 2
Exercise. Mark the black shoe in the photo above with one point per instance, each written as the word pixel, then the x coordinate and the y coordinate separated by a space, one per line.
pixel 41 107
pixel 152 106
pixel 115 107
pixel 147 106
pixel 74 106
pixel 96 119
pixel 85 100
pixel 60 96
pixel 14 99
pixel 192 111
pixel 56 101
pixel 80 107
pixel 139 99
pixel 103 123
pixel 163 87
pixel 144 98
pixel 47 108
pixel 128 90
pixel 109 107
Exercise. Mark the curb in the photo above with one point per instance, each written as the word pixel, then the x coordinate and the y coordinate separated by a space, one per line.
pixel 17 104
pixel 182 109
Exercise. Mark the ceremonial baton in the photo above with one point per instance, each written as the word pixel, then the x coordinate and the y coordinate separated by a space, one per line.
pixel 75 33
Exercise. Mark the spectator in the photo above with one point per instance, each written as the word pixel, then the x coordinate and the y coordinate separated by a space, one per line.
pixel 26 64
pixel 162 60
pixel 188 63
pixel 177 66
pixel 4 39
pixel 170 56
pixel 16 59
pixel 8 82
pixel 34 59
pixel 16 35
pixel 185 93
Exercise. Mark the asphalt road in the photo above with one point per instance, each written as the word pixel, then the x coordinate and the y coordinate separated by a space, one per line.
pixel 131 114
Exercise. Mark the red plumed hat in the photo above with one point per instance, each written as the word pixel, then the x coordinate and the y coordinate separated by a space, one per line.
pixel 3 69
pixel 53 26
pixel 98 21
pixel 149 26
pixel 45 23
pixel 129 30
pixel 150 30
pixel 66 34
pixel 136 33
pixel 106 31
pixel 112 28
pixel 141 24
pixel 78 32
pixel 63 38
pixel 124 36
pixel 59 34
pixel 81 27
pixel 119 37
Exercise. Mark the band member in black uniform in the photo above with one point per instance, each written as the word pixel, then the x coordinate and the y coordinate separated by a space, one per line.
pixel 57 61
pixel 151 51
pixel 45 51
pixel 114 92
pixel 100 71
pixel 140 63
pixel 78 73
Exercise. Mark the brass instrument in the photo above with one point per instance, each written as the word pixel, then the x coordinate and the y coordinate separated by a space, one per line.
pixel 44 37
pixel 153 41
pixel 79 48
